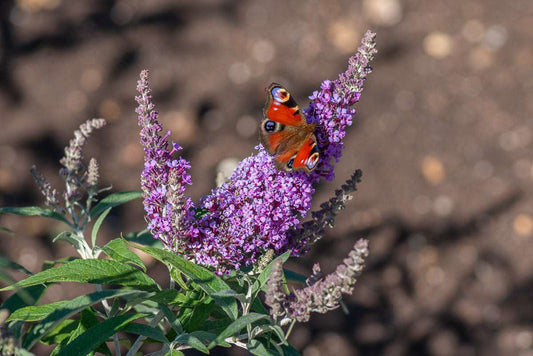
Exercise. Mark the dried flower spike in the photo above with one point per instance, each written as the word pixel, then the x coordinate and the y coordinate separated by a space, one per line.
pixel 311 231
pixel 320 297
pixel 73 172
pixel 51 195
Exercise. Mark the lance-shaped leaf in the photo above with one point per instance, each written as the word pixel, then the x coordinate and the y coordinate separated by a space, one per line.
pixel 91 271
pixel 146 330
pixel 113 200
pixel 237 326
pixel 35 211
pixel 98 334
pixel 59 311
pixel 119 251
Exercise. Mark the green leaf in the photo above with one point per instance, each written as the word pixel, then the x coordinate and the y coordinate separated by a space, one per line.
pixel 258 306
pixel 7 263
pixel 23 298
pixel 60 311
pixel 174 353
pixel 168 297
pixel 263 277
pixel 96 226
pixel 192 318
pixel 175 324
pixel 205 337
pixel 38 312
pixel 35 211
pixel 98 334
pixel 119 251
pixel 70 237
pixel 22 352
pixel 146 330
pixel 294 277
pixel 113 200
pixel 60 333
pixel 192 341
pixel 207 280
pixel 268 348
pixel 144 238
pixel 47 264
pixel 267 328
pixel 257 348
pixel 177 277
pixel 288 350
pixel 235 327
pixel 215 326
pixel 88 319
pixel 231 294
pixel 91 271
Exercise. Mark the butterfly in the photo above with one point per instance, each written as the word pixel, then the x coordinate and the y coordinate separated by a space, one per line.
pixel 285 133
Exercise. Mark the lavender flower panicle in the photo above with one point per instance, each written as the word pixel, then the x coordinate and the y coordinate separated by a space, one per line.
pixel 322 296
pixel 259 207
pixel 331 108
pixel 163 179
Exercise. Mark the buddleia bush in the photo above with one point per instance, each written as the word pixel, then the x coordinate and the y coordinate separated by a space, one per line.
pixel 224 253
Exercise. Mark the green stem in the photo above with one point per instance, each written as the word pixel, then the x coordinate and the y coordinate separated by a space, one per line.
pixel 107 309
pixel 289 330
pixel 138 343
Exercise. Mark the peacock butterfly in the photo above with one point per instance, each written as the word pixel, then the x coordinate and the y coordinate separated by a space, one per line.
pixel 285 133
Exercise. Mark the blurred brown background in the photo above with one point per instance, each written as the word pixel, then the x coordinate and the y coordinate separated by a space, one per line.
pixel 443 135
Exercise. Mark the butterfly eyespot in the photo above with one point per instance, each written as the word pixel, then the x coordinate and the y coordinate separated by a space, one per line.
pixel 270 126
pixel 290 163
pixel 279 94
pixel 312 161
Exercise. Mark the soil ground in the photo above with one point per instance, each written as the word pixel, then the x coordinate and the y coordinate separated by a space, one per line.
pixel 443 134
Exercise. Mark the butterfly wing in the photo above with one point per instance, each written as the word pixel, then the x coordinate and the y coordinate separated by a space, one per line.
pixel 307 156
pixel 285 132
pixel 281 116
pixel 281 107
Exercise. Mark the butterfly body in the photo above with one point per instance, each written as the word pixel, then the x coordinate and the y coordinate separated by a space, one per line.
pixel 285 133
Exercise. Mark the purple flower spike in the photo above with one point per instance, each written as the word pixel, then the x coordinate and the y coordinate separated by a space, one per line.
pixel 259 208
pixel 331 108
pixel 163 179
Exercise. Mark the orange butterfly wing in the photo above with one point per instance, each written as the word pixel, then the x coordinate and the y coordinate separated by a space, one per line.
pixel 307 156
pixel 285 132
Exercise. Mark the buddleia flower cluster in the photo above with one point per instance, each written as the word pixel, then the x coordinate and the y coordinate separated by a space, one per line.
pixel 258 208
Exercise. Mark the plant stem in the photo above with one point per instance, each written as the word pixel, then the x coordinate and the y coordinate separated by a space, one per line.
pixel 138 343
pixel 290 329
